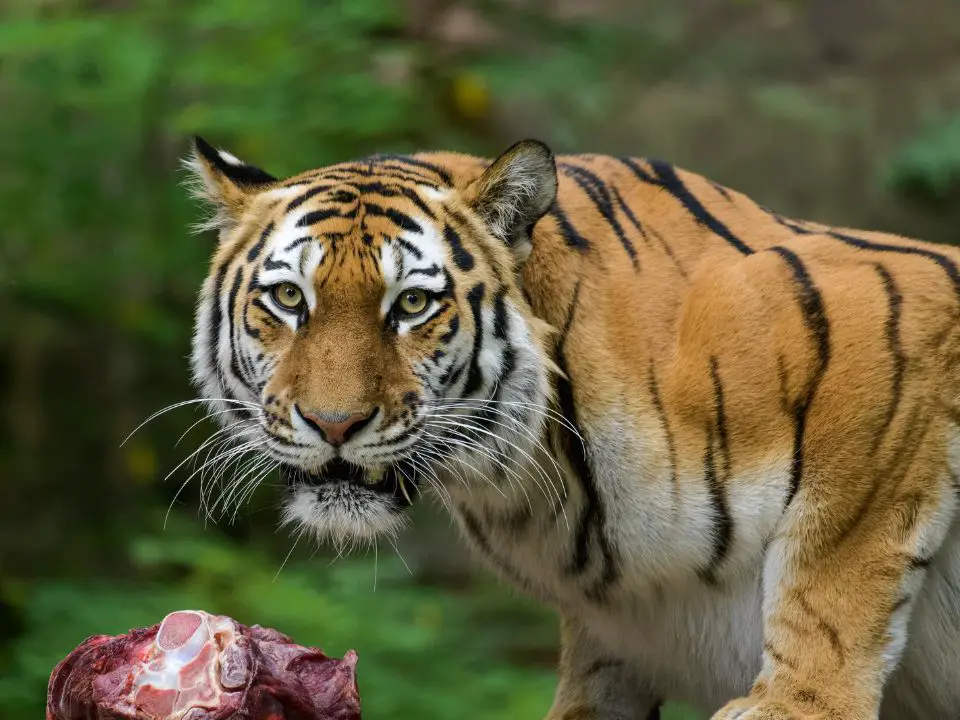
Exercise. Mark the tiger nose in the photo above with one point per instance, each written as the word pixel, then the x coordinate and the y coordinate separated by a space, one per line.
pixel 336 427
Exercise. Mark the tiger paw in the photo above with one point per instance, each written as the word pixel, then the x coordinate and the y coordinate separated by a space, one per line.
pixel 751 709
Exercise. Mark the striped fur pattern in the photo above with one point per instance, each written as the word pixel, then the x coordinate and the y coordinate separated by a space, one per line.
pixel 724 444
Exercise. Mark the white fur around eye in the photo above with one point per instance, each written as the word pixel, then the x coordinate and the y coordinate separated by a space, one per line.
pixel 405 326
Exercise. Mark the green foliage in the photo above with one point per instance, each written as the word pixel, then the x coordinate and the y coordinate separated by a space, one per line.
pixel 927 169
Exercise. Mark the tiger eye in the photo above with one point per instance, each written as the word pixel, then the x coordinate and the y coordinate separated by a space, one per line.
pixel 288 295
pixel 413 301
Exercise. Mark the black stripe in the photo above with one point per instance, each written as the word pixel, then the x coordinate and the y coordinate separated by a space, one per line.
pixel 270 318
pixel 791 225
pixel 625 209
pixel 472 525
pixel 487 415
pixel 461 256
pixel 901 602
pixel 826 627
pixel 404 221
pixel 671 182
pixel 272 264
pixel 815 318
pixel 780 659
pixel 452 375
pixel 448 284
pixel 303 197
pixel 724 193
pixel 298 242
pixel 721 513
pixel 942 260
pixel 500 320
pixel 390 190
pixel 246 362
pixel 860 513
pixel 721 416
pixel 892 331
pixel 401 220
pixel 231 326
pixel 669 251
pixel 413 162
pixel 475 376
pixel 216 322
pixel 315 216
pixel 569 233
pixel 665 423
pixel 378 188
pixel 429 271
pixel 249 329
pixel 381 167
pixel 635 168
pixel 403 174
pixel 592 515
pixel 666 177
pixel 784 384
pixel 451 332
pixel 410 248
pixel 339 175
pixel 421 205
pixel 573 450
pixel 596 190
pixel 258 246
pixel 344 197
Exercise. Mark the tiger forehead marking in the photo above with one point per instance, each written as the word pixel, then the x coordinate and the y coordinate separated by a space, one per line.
pixel 380 234
pixel 722 443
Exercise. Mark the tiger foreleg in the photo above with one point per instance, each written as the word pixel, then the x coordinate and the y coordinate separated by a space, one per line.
pixel 594 685
pixel 838 592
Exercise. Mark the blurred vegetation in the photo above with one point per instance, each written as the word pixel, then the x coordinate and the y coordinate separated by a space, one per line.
pixel 840 111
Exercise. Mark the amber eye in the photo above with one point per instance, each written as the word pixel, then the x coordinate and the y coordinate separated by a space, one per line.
pixel 413 301
pixel 287 295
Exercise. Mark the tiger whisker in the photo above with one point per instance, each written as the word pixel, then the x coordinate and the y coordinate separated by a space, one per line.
pixel 532 460
pixel 522 466
pixel 477 449
pixel 543 409
pixel 184 403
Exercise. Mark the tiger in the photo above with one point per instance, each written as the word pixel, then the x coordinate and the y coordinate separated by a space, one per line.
pixel 720 444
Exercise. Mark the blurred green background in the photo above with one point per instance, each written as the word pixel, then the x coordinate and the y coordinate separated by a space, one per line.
pixel 845 111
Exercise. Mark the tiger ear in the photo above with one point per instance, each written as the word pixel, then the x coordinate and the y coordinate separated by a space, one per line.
pixel 223 182
pixel 515 192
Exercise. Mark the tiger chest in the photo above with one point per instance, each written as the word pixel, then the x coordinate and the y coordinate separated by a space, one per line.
pixel 695 642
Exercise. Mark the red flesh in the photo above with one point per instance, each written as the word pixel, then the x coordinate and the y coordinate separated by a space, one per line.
pixel 197 666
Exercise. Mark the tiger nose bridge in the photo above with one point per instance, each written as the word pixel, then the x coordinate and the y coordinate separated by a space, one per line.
pixel 336 427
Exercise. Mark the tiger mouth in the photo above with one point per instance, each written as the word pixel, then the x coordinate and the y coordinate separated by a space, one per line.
pixel 398 480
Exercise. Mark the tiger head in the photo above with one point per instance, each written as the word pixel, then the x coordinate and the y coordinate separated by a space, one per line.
pixel 363 327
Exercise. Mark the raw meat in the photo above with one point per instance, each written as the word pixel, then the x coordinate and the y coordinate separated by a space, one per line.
pixel 197 666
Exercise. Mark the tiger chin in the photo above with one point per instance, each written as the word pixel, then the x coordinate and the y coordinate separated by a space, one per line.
pixel 723 444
